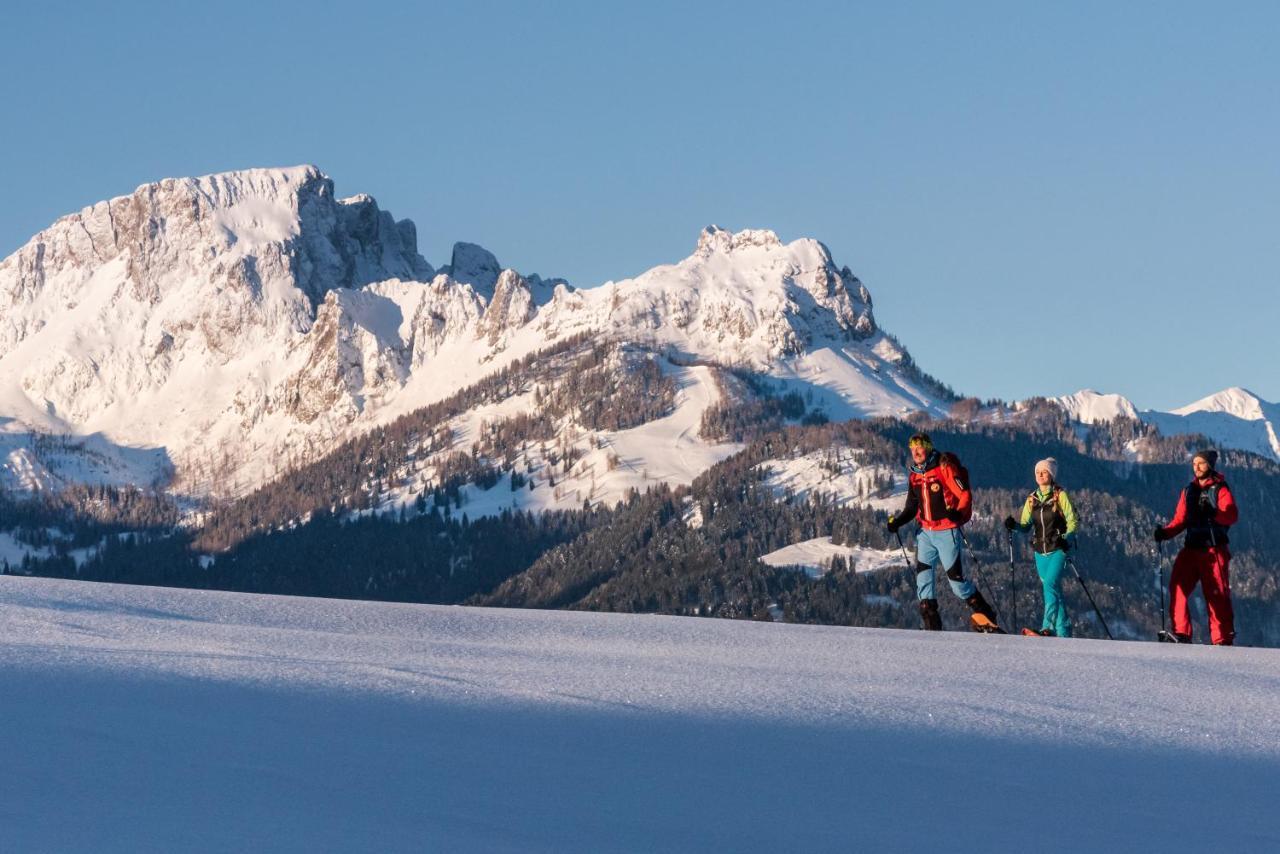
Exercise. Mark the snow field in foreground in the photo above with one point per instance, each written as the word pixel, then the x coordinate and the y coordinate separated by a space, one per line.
pixel 137 719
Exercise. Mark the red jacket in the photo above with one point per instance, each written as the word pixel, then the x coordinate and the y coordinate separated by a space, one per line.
pixel 1206 508
pixel 933 492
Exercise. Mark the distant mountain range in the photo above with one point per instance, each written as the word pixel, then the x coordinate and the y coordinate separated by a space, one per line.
pixel 246 382
pixel 204 338
pixel 204 334
pixel 1232 418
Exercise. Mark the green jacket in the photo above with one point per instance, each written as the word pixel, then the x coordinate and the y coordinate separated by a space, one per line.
pixel 1051 518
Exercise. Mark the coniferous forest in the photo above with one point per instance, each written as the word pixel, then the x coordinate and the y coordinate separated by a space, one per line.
pixel 691 550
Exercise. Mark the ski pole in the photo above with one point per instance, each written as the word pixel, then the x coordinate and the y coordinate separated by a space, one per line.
pixel 977 581
pixel 1013 581
pixel 1160 585
pixel 905 559
pixel 902 546
pixel 1163 610
pixel 1071 563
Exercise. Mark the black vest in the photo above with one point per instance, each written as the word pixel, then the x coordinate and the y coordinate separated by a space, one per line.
pixel 1048 524
pixel 1202 532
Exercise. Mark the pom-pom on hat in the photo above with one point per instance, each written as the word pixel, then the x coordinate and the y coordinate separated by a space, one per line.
pixel 1050 465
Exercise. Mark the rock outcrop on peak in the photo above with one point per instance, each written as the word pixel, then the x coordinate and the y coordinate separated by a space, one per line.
pixel 715 239
pixel 377 247
pixel 239 319
pixel 474 266
pixel 510 307
pixel 742 298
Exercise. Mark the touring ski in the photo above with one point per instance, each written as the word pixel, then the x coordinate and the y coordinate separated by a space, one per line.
pixel 981 623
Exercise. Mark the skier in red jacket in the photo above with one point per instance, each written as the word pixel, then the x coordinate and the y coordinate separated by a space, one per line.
pixel 1206 509
pixel 939 499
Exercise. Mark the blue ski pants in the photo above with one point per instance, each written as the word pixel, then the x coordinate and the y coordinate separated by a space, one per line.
pixel 1050 568
pixel 940 548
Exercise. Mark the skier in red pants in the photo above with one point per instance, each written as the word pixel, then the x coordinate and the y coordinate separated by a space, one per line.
pixel 1205 510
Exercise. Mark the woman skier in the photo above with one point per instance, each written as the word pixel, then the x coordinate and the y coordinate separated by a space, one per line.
pixel 1048 514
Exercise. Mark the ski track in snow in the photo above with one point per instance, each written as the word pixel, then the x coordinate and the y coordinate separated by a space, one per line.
pixel 148 719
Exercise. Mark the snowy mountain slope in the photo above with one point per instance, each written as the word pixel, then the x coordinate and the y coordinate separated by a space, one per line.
pixel 1089 407
pixel 245 322
pixel 34 462
pixel 145 719
pixel 159 318
pixel 747 299
pixel 814 557
pixel 837 473
pixel 607 463
pixel 1232 418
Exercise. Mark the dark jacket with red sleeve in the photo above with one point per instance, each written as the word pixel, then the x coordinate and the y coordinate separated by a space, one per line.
pixel 1206 509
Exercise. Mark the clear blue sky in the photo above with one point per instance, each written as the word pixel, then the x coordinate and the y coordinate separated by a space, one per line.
pixel 1041 197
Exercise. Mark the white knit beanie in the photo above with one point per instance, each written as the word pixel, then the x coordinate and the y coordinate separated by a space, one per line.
pixel 1050 465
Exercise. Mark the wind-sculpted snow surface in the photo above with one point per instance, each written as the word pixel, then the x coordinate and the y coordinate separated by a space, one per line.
pixel 142 719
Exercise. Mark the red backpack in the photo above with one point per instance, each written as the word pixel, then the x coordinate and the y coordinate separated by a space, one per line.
pixel 961 477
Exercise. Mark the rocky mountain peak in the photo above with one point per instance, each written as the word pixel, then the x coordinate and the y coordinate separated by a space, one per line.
pixel 511 306
pixel 475 266
pixel 235 318
pixel 714 239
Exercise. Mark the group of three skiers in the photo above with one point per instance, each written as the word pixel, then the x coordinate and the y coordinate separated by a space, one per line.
pixel 938 498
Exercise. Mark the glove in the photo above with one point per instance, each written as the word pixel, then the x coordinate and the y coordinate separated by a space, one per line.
pixel 1161 535
pixel 955 516
pixel 1010 523
pixel 894 524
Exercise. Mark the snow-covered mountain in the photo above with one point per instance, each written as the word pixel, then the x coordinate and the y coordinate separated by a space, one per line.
pixel 1235 418
pixel 181 317
pixel 1232 418
pixel 234 324
pixel 209 333
pixel 1089 407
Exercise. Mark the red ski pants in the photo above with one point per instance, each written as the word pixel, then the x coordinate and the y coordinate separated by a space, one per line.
pixel 1209 568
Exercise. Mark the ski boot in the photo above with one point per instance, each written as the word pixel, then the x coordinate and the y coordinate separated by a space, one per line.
pixel 929 615
pixel 983 618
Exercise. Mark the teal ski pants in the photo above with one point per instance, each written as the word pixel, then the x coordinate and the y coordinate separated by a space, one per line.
pixel 1051 568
